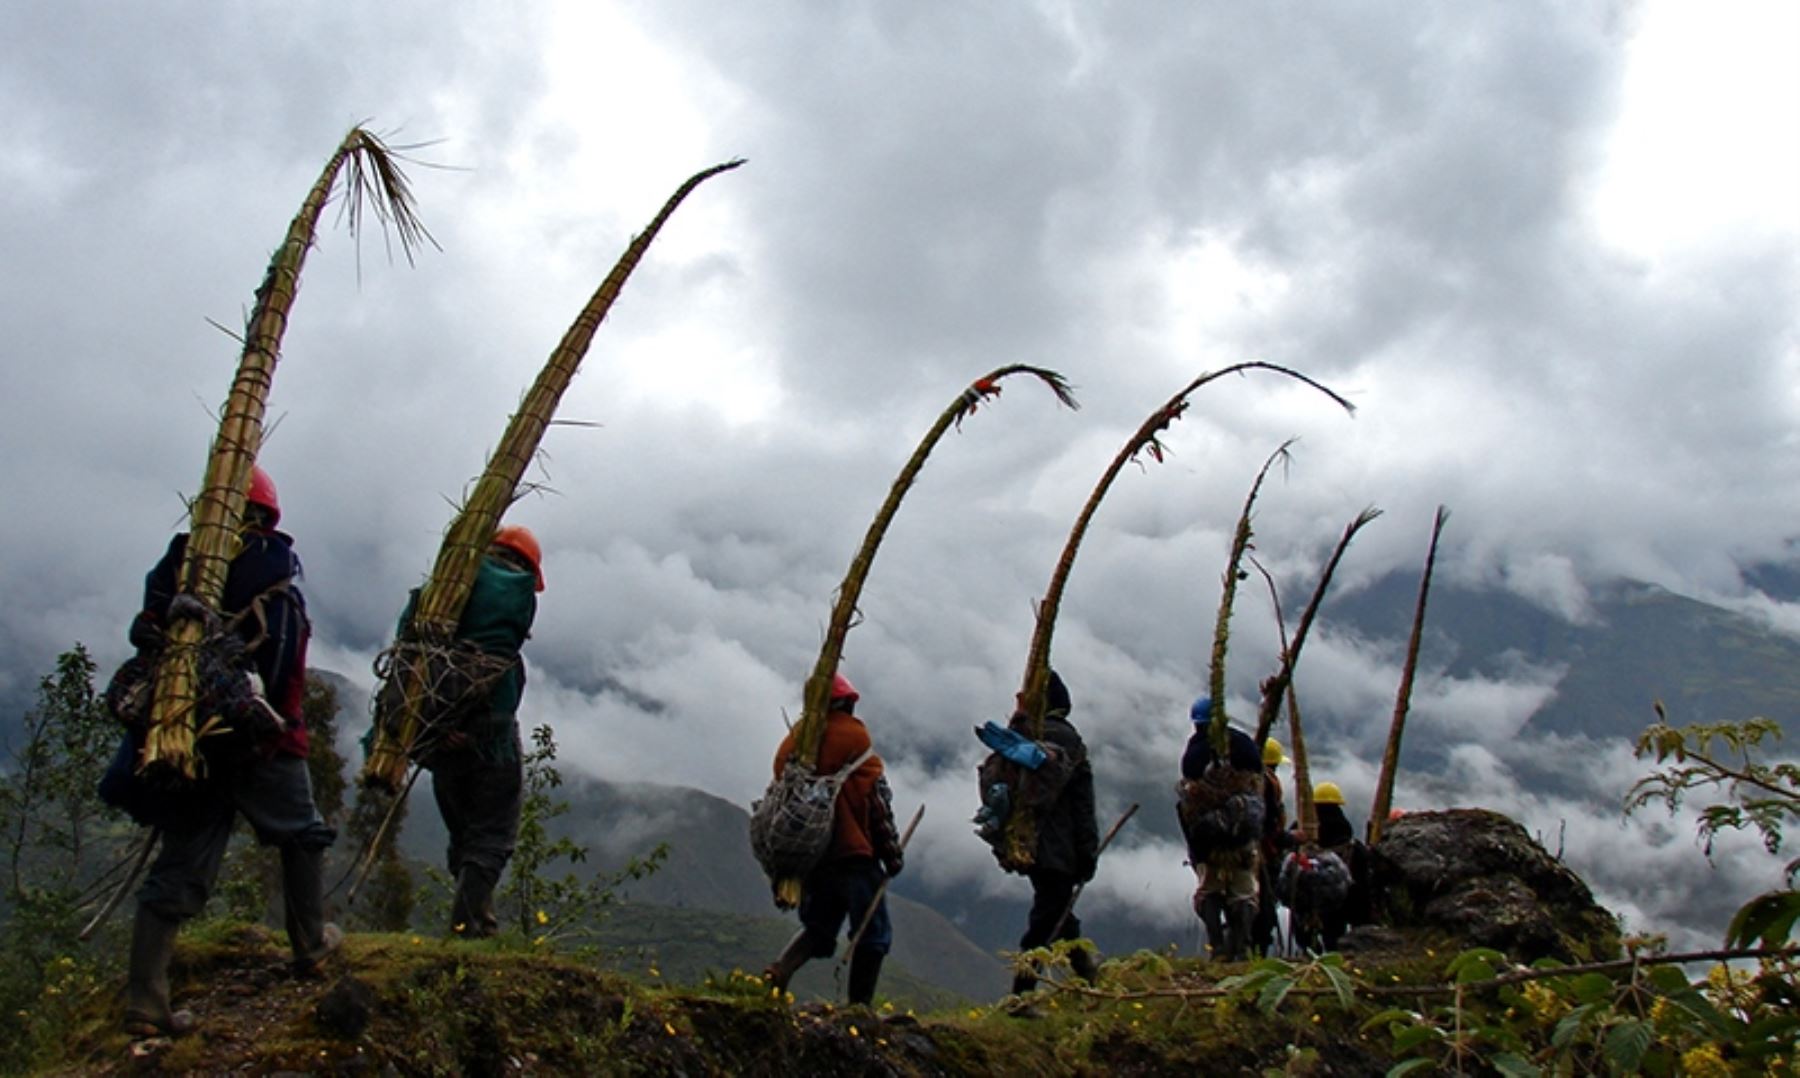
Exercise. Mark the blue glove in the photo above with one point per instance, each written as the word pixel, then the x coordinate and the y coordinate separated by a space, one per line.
pixel 1013 745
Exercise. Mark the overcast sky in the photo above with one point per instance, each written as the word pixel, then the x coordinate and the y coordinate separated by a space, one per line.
pixel 1548 249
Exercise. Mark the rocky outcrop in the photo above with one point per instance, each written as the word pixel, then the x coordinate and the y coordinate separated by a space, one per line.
pixel 1478 877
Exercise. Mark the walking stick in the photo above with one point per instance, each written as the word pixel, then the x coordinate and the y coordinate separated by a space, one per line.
pixel 1069 910
pixel 366 862
pixel 880 893
pixel 138 860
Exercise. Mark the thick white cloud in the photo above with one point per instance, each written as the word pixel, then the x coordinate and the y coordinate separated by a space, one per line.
pixel 1415 206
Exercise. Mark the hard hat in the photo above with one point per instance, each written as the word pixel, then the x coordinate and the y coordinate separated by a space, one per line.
pixel 1327 793
pixel 841 689
pixel 1202 710
pixel 262 492
pixel 1272 754
pixel 518 539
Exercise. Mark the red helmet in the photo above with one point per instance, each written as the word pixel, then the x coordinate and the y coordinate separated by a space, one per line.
pixel 841 689
pixel 262 492
pixel 518 539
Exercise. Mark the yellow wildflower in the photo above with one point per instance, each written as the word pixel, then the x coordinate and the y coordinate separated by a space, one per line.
pixel 1704 1061
pixel 669 1027
pixel 853 1032
pixel 543 918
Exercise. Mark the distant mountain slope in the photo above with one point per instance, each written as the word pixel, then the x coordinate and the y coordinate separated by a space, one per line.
pixel 709 869
pixel 1705 663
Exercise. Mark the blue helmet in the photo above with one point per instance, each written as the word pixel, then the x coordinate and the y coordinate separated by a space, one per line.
pixel 1202 710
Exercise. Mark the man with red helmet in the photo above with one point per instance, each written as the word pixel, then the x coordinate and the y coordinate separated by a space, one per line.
pixel 864 851
pixel 267 783
pixel 478 777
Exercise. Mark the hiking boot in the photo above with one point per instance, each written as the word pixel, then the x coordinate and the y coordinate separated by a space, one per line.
pixel 312 967
pixel 865 970
pixel 1211 908
pixel 147 1012
pixel 788 962
pixel 1082 961
pixel 472 909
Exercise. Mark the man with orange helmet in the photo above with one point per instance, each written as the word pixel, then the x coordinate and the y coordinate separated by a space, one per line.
pixel 864 851
pixel 264 778
pixel 478 775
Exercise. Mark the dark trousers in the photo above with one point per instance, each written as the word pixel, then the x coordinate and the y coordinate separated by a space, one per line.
pixel 275 795
pixel 1050 894
pixel 480 803
pixel 836 896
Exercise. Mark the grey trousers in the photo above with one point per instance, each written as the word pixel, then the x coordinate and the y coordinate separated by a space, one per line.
pixel 275 795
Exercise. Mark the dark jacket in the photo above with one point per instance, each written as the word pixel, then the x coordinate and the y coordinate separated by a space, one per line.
pixel 1334 826
pixel 1244 755
pixel 262 596
pixel 1068 839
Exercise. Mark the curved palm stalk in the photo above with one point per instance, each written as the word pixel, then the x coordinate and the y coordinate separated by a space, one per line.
pixel 1307 815
pixel 1276 686
pixel 1240 548
pixel 811 726
pixel 446 591
pixel 1145 439
pixel 216 515
pixel 1020 827
pixel 1390 756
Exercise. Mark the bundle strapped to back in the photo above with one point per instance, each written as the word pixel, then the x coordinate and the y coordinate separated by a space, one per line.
pixel 1022 777
pixel 450 681
pixel 1221 813
pixel 790 826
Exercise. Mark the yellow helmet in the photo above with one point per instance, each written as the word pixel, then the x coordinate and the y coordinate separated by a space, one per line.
pixel 1272 754
pixel 1327 793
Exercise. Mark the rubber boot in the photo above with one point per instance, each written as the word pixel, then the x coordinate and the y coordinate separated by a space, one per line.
pixel 1212 915
pixel 147 1012
pixel 1240 928
pixel 303 893
pixel 789 961
pixel 1082 961
pixel 472 909
pixel 865 970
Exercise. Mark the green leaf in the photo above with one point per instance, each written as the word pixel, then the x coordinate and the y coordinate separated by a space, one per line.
pixel 1485 957
pixel 1768 917
pixel 1570 1026
pixel 1413 1036
pixel 1592 987
pixel 1273 993
pixel 1667 979
pixel 1341 986
pixel 1515 1066
pixel 1626 1044
pixel 1408 1067
pixel 1388 1017
pixel 1472 971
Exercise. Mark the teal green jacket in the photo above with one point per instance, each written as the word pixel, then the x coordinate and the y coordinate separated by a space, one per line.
pixel 497 619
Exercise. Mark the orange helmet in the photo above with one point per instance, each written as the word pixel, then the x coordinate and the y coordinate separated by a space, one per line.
pixel 262 492
pixel 518 539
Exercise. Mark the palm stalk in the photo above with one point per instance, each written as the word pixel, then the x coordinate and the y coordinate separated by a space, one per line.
pixel 1303 802
pixel 216 515
pixel 1390 756
pixel 1234 571
pixel 446 591
pixel 1276 686
pixel 1020 828
pixel 811 727
pixel 1146 439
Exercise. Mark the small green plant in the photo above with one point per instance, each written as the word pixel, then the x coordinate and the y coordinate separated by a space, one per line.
pixel 546 909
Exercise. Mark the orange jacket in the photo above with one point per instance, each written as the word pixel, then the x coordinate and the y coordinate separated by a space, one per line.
pixel 854 825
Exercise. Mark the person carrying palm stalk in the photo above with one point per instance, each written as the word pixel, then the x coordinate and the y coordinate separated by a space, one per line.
pixel 864 852
pixel 477 769
pixel 264 777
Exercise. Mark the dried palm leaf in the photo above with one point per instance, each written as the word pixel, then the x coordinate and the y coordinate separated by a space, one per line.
pixel 1390 756
pixel 1240 548
pixel 446 591
pixel 374 178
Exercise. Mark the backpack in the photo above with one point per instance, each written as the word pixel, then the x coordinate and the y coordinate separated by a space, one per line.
pixel 1221 812
pixel 790 826
pixel 452 682
pixel 1007 786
